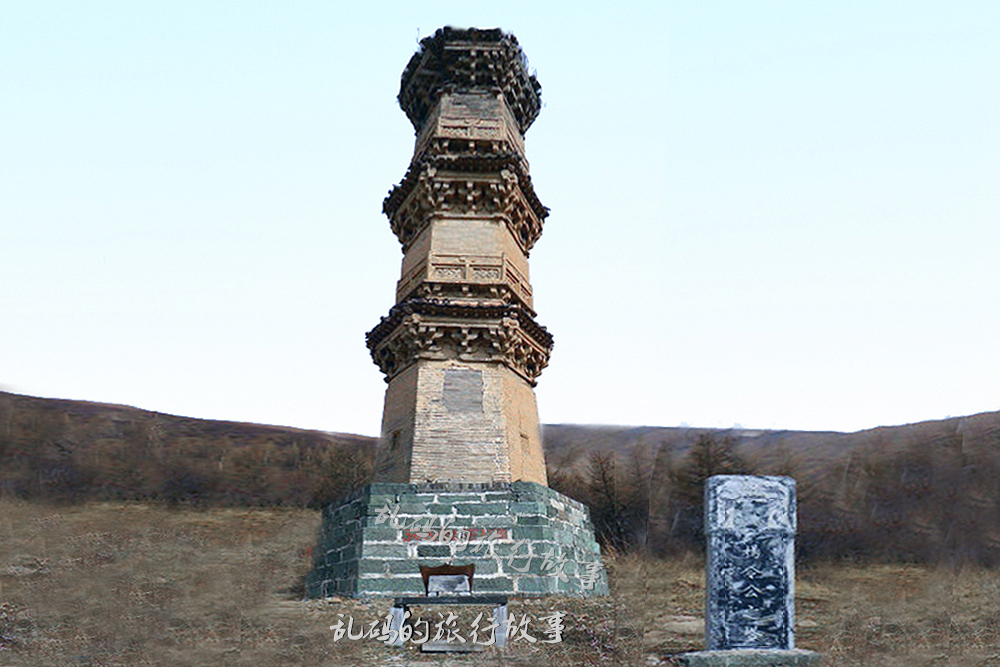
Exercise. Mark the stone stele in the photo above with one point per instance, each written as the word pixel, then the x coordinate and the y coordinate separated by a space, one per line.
pixel 750 578
pixel 461 448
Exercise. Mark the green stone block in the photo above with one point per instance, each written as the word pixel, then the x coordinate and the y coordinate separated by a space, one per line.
pixel 412 508
pixel 532 521
pixel 384 551
pixel 337 587
pixel 374 566
pixel 570 554
pixel 535 584
pixel 381 533
pixel 533 533
pixel 459 498
pixel 521 508
pixel 505 521
pixel 493 584
pixel 403 566
pixel 504 549
pixel 352 542
pixel 529 488
pixel 568 586
pixel 460 524
pixel 483 567
pixel 377 501
pixel 434 551
pixel 487 509
pixel 534 566
pixel 571 569
pixel 498 497
pixel 391 586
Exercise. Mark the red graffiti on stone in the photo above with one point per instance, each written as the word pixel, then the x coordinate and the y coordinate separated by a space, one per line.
pixel 454 534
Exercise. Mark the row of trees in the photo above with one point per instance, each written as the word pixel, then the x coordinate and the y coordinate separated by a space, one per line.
pixel 935 499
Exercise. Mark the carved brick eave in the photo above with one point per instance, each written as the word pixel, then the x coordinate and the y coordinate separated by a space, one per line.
pixel 457 60
pixel 467 185
pixel 465 163
pixel 426 329
pixel 490 293
pixel 448 308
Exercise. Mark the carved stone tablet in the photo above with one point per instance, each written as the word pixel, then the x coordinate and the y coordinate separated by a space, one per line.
pixel 448 584
pixel 750 593
pixel 463 390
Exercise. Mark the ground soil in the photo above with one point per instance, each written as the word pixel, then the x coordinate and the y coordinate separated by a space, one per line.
pixel 144 584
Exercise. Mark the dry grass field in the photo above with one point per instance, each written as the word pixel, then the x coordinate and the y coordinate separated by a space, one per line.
pixel 144 584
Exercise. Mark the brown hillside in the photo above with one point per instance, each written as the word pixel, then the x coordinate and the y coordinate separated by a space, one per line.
pixel 928 491
pixel 72 450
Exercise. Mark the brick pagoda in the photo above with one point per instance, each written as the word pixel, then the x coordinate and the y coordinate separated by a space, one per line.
pixel 461 351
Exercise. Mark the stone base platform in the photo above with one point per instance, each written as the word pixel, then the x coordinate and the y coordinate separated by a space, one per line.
pixel 748 657
pixel 523 538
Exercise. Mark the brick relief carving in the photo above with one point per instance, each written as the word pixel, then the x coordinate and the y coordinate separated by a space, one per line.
pixel 759 505
pixel 456 272
pixel 485 273
pixel 470 128
pixel 464 276
pixel 442 186
pixel 457 59
pixel 426 330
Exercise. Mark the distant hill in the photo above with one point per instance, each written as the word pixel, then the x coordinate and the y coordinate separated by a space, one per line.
pixel 70 450
pixel 814 451
pixel 927 491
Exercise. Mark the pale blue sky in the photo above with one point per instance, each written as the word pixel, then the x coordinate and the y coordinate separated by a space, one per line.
pixel 776 214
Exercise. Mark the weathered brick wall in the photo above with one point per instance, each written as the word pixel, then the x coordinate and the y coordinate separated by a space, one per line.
pixel 524 435
pixel 460 421
pixel 459 432
pixel 392 461
pixel 359 556
pixel 415 259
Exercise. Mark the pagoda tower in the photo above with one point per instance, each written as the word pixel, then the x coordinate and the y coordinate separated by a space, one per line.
pixel 461 350
pixel 460 453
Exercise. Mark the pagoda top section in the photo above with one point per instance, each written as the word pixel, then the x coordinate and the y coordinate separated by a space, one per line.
pixel 457 60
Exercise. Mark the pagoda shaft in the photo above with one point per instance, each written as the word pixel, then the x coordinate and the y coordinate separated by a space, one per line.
pixel 461 350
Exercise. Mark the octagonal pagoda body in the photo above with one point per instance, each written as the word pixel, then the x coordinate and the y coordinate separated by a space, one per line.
pixel 461 350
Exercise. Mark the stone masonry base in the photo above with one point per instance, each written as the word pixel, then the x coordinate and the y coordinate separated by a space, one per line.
pixel 524 538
